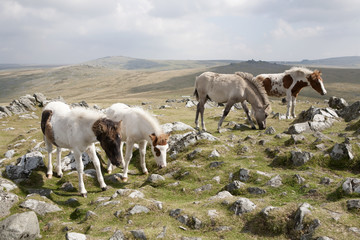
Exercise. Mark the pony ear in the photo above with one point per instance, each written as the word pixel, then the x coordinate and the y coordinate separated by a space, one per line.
pixel 267 107
pixel 153 138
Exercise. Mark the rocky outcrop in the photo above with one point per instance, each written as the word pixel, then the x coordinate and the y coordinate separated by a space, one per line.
pixel 23 104
pixel 20 226
pixel 314 119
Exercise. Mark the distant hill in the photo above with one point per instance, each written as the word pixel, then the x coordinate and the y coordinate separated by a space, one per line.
pixel 344 62
pixel 127 63
pixel 117 78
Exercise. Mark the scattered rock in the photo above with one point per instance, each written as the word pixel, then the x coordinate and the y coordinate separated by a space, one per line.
pixel 118 235
pixel 20 226
pixel 7 185
pixel 155 178
pixel 337 103
pixel 10 153
pixel 206 187
pixel 313 119
pixel 256 190
pixel 351 112
pixel 242 205
pixel 353 203
pixel 265 211
pixel 299 158
pixel 214 154
pixel 178 142
pixel 138 209
pixel 216 164
pixel 7 200
pixel 194 153
pixel 351 185
pixel 221 195
pixel 300 213
pixel 235 185
pixel 326 181
pixel 244 174
pixel 270 131
pixel 75 236
pixel 176 126
pixel 341 151
pixel 40 207
pixel 68 187
pixel 275 181
pixel 138 234
pixel 299 179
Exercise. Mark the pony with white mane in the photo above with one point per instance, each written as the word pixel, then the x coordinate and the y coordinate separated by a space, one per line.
pixel 289 84
pixel 231 89
pixel 138 126
pixel 78 129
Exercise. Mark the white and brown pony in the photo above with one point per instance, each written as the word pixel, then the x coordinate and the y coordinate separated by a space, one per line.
pixel 231 89
pixel 289 84
pixel 138 126
pixel 78 129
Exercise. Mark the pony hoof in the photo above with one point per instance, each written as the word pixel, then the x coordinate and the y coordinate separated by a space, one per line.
pixel 104 188
pixel 49 176
pixel 84 195
pixel 109 171
pixel 124 179
pixel 253 127
pixel 146 173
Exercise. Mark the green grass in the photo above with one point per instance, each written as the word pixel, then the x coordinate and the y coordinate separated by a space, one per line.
pixel 273 158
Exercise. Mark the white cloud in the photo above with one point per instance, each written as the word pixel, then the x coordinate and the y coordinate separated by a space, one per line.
pixel 285 30
pixel 72 31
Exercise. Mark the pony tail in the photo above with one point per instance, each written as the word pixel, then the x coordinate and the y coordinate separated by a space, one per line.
pixel 196 94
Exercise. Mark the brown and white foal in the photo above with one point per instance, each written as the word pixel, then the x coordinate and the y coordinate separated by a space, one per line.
pixel 78 129
pixel 289 84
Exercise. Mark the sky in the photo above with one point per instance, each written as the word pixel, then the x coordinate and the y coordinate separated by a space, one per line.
pixel 76 31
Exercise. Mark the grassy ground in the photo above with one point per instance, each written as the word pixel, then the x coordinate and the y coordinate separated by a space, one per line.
pixel 327 201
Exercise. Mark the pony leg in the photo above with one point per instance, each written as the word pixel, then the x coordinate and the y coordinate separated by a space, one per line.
pixel 201 108
pixel 288 105
pixel 246 110
pixel 49 148
pixel 109 167
pixel 142 150
pixel 80 170
pixel 92 153
pixel 128 156
pixel 225 113
pixel 58 165
pixel 293 99
pixel 198 107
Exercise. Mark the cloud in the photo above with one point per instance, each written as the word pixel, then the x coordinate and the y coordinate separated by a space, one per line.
pixel 72 31
pixel 285 30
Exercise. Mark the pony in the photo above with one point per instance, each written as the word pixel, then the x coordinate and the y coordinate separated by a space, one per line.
pixel 289 84
pixel 138 126
pixel 231 89
pixel 78 129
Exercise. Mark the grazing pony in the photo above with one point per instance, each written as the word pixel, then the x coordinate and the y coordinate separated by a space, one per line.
pixel 289 84
pixel 231 89
pixel 138 126
pixel 78 129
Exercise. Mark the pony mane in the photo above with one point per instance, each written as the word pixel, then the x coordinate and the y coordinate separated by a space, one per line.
pixel 149 118
pixel 257 85
pixel 295 71
pixel 87 112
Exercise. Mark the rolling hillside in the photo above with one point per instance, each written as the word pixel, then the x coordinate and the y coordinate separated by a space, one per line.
pixel 118 79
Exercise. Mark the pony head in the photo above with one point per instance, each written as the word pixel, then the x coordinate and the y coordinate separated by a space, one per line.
pixel 159 146
pixel 316 82
pixel 261 114
pixel 107 132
